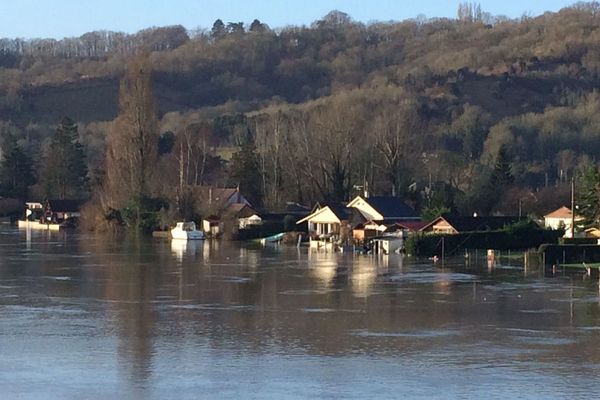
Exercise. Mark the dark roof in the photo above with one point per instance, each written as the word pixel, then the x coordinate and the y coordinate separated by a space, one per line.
pixel 391 207
pixel 410 225
pixel 395 224
pixel 340 210
pixel 64 205
pixel 474 224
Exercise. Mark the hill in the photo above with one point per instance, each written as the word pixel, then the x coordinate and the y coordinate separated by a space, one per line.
pixel 453 91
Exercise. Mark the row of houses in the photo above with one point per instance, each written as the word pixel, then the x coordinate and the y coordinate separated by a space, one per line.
pixel 385 221
pixel 378 219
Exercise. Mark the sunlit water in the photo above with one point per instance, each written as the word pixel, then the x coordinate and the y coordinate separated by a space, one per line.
pixel 86 317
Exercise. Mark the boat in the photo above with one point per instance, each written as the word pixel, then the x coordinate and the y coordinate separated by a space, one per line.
pixel 186 231
pixel 271 239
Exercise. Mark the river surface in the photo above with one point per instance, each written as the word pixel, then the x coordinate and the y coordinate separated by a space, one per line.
pixel 87 317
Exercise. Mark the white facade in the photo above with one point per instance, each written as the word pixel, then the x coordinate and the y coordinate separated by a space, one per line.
pixel 365 209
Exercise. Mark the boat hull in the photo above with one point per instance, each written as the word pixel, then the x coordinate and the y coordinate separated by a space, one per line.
pixel 187 235
pixel 38 226
pixel 186 231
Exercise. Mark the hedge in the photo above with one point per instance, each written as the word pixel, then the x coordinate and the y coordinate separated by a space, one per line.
pixel 431 244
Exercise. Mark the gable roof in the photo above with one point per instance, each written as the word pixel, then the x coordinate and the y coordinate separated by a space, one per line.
pixel 413 226
pixel 239 210
pixel 391 207
pixel 474 224
pixel 388 207
pixel 339 210
pixel 562 212
pixel 218 198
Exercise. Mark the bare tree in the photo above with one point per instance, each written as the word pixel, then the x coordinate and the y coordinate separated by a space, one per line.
pixel 398 130
pixel 132 140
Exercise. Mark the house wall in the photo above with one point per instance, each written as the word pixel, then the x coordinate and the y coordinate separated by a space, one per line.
pixel 365 209
pixel 555 223
pixel 325 217
pixel 250 221
pixel 442 227
pixel 566 223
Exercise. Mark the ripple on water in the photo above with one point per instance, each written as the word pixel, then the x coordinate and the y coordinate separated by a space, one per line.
pixel 541 311
pixel 215 307
pixel 538 337
pixel 307 292
pixel 58 278
pixel 429 277
pixel 423 334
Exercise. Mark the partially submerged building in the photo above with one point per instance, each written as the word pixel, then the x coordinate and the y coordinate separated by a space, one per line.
pixel 51 214
pixel 454 224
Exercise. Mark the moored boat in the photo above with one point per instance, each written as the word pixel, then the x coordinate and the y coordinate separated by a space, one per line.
pixel 186 231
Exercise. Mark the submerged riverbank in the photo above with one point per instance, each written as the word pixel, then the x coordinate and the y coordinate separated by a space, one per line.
pixel 83 316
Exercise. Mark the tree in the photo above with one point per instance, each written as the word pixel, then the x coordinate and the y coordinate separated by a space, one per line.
pixel 398 129
pixel 16 169
pixel 502 174
pixel 588 195
pixel 257 26
pixel 218 30
pixel 64 172
pixel 132 143
pixel 245 172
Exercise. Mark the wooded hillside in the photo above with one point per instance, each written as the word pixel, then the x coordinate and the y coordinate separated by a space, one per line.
pixel 478 113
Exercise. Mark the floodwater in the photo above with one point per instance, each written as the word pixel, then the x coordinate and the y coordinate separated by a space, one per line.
pixel 86 317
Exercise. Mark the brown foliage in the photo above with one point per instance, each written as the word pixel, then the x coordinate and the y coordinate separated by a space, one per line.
pixel 132 140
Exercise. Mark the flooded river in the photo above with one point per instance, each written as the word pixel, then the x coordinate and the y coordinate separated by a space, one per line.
pixel 84 317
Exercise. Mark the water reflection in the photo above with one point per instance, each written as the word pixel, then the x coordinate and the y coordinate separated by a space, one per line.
pixel 155 319
pixel 183 248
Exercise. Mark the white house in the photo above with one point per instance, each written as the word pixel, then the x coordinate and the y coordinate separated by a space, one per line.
pixel 561 218
pixel 379 213
pixel 326 225
pixel 379 208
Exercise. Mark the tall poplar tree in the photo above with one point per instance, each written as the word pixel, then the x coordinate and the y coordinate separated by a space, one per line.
pixel 132 144
pixel 64 172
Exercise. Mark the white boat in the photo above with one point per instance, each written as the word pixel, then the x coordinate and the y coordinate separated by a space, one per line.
pixel 186 231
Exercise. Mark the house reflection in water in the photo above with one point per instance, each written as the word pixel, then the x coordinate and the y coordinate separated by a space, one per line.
pixel 323 267
pixel 181 248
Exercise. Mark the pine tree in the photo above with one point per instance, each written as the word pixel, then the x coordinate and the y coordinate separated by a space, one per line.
pixel 245 172
pixel 16 170
pixel 502 174
pixel 588 196
pixel 65 169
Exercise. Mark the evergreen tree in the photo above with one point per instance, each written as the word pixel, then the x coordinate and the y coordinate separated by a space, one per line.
pixel 502 174
pixel 16 170
pixel 588 195
pixel 219 30
pixel 245 172
pixel 65 169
